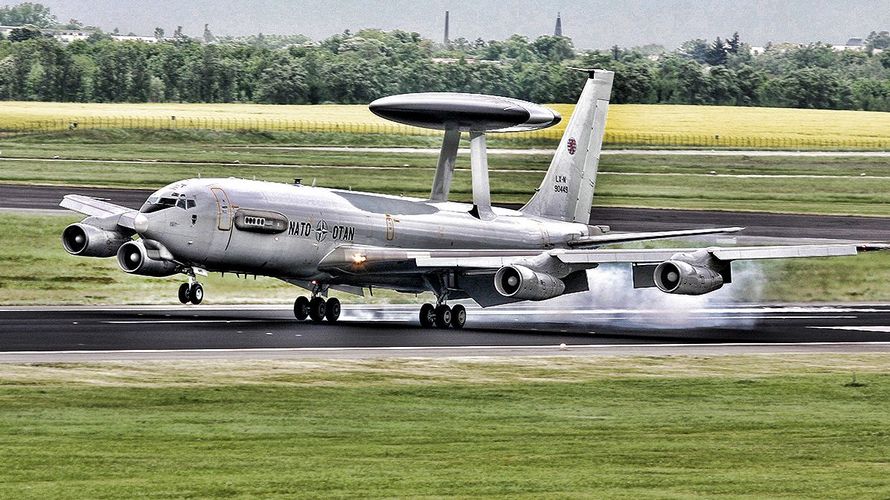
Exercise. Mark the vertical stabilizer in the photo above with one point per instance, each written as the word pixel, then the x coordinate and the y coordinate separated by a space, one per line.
pixel 566 193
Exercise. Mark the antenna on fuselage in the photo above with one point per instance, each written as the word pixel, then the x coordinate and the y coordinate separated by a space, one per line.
pixel 454 113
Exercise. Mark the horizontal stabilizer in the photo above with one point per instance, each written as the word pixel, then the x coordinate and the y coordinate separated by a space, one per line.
pixel 607 239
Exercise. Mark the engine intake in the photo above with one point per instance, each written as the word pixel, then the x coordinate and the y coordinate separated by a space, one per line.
pixel 522 283
pixel 90 241
pixel 682 278
pixel 133 259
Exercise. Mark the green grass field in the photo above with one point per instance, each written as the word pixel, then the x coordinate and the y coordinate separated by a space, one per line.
pixel 847 185
pixel 752 427
pixel 636 124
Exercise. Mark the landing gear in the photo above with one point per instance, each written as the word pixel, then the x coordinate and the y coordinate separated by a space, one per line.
pixel 301 308
pixel 191 292
pixel 458 316
pixel 443 316
pixel 317 308
pixel 427 315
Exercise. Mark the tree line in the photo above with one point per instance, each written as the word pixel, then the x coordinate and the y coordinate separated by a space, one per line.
pixel 359 67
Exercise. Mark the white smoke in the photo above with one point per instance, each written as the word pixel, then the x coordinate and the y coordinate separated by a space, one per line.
pixel 613 301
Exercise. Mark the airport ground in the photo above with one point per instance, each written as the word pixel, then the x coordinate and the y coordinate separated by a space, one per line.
pixel 763 401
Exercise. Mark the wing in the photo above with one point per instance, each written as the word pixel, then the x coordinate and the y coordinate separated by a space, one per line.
pixel 611 238
pixel 100 209
pixel 474 269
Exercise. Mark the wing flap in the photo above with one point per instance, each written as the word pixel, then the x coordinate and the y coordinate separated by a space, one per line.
pixel 609 238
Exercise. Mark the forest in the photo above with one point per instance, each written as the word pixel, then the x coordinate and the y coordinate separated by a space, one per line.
pixel 362 66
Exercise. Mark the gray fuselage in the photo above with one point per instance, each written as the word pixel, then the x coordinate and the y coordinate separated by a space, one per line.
pixel 282 230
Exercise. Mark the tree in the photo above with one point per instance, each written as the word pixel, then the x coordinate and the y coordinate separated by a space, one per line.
pixel 22 34
pixel 159 33
pixel 716 55
pixel 697 50
pixel 27 13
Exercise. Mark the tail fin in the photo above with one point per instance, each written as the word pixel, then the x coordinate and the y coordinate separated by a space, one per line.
pixel 566 193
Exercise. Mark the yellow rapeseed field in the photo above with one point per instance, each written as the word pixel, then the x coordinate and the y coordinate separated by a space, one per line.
pixel 632 124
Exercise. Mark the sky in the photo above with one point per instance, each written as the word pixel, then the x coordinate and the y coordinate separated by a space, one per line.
pixel 590 23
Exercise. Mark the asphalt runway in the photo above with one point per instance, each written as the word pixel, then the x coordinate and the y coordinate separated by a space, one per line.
pixel 757 224
pixel 35 334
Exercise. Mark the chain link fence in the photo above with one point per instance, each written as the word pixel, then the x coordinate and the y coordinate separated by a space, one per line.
pixel 612 139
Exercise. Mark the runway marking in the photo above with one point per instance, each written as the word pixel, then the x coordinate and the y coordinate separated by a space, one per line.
pixel 876 329
pixel 555 347
pixel 189 321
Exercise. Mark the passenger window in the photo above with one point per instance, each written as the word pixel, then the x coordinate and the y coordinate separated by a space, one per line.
pixel 190 204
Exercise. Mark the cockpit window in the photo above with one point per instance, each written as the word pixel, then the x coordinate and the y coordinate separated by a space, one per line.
pixel 190 204
pixel 181 203
pixel 157 203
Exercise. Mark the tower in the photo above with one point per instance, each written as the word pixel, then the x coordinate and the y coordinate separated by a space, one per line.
pixel 556 31
pixel 446 28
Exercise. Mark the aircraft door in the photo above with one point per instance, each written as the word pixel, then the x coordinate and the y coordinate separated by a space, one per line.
pixel 223 209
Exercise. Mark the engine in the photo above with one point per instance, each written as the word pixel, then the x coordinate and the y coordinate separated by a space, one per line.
pixel 90 241
pixel 683 278
pixel 133 259
pixel 522 283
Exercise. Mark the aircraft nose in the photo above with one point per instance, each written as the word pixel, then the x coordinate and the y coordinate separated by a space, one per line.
pixel 140 223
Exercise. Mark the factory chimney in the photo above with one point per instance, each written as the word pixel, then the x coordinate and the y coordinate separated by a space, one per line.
pixel 446 29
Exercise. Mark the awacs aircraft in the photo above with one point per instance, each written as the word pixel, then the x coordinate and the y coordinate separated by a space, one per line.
pixel 323 239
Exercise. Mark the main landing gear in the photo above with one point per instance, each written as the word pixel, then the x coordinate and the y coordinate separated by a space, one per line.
pixel 191 292
pixel 317 309
pixel 442 316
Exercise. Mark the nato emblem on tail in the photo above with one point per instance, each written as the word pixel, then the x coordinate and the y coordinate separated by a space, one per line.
pixel 566 193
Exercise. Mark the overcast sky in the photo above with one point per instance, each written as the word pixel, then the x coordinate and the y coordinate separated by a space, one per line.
pixel 590 23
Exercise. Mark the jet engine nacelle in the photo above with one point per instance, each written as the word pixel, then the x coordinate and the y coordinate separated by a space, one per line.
pixel 683 278
pixel 522 283
pixel 90 241
pixel 133 259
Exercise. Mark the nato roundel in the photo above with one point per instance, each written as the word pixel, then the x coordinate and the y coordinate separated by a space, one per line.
pixel 466 112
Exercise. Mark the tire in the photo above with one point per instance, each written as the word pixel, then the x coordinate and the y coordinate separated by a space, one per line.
pixel 301 308
pixel 443 316
pixel 427 315
pixel 458 317
pixel 184 293
pixel 317 309
pixel 196 293
pixel 332 310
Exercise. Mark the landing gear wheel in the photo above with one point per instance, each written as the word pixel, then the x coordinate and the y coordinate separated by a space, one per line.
pixel 184 293
pixel 458 316
pixel 196 293
pixel 317 309
pixel 443 316
pixel 332 312
pixel 301 308
pixel 427 315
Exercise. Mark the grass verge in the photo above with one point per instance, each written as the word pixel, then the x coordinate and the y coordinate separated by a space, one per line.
pixel 758 426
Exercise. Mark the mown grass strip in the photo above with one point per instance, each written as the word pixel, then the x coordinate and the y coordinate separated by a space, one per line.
pixel 638 427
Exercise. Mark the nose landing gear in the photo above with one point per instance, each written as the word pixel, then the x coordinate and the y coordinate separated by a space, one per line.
pixel 191 292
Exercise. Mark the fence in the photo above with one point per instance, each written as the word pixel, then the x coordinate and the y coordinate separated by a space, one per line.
pixel 612 139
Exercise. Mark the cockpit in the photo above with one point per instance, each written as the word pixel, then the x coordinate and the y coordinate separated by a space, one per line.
pixel 164 199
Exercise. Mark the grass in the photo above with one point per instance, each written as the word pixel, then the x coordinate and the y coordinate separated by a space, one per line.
pixel 635 124
pixel 34 269
pixel 845 185
pixel 770 426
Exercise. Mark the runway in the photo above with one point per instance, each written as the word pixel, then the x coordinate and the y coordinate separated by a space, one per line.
pixel 21 197
pixel 52 334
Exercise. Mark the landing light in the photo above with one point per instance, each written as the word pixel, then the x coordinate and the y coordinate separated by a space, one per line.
pixel 359 258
